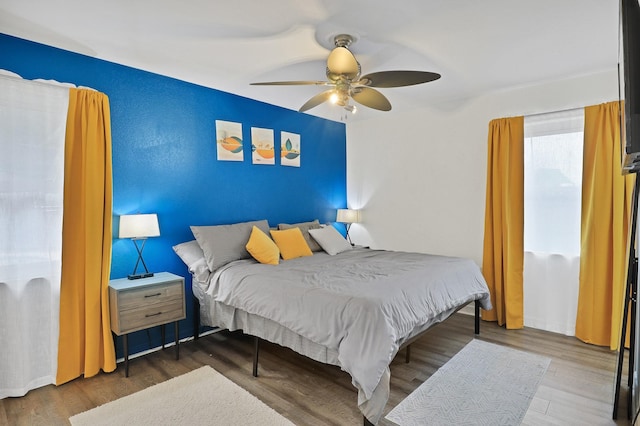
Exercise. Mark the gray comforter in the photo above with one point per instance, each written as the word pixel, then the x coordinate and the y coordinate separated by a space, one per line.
pixel 361 303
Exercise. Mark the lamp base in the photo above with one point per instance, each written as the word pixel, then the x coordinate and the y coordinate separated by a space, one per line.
pixel 138 276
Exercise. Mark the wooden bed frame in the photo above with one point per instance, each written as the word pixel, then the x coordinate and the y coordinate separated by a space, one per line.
pixel 407 344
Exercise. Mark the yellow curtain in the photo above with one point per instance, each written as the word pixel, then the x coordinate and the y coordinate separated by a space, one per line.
pixel 85 342
pixel 606 212
pixel 503 253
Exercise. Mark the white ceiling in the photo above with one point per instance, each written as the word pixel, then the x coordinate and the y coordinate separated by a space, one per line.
pixel 477 46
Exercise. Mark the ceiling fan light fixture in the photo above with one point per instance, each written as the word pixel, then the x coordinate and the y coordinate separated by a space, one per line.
pixel 344 76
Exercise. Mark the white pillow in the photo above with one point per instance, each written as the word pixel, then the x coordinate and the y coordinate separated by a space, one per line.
pixel 193 256
pixel 330 240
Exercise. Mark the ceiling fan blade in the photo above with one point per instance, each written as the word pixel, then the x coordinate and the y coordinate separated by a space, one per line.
pixel 397 78
pixel 342 63
pixel 316 100
pixel 292 83
pixel 371 98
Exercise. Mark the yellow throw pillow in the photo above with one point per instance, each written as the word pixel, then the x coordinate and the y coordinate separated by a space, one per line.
pixel 262 248
pixel 291 243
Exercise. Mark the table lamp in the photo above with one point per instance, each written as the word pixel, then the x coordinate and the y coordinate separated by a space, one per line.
pixel 348 216
pixel 139 227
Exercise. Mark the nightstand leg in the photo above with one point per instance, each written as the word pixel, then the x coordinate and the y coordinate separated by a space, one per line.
pixel 125 341
pixel 177 341
pixel 162 334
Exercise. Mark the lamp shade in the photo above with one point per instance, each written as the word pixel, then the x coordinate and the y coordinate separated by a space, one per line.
pixel 348 216
pixel 139 226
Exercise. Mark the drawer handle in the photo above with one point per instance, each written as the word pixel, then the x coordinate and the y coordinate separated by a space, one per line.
pixel 153 315
pixel 152 295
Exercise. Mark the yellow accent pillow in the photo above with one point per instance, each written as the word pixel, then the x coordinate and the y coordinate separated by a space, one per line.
pixel 262 248
pixel 291 243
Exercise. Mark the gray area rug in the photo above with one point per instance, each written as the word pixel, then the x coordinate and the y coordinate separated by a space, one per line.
pixel 483 384
pixel 200 397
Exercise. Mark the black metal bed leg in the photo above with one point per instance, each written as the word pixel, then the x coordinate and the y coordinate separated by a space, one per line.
pixel 196 318
pixel 407 355
pixel 477 317
pixel 256 349
pixel 367 422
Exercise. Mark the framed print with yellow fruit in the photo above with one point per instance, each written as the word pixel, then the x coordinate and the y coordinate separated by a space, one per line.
pixel 262 148
pixel 229 141
pixel 289 149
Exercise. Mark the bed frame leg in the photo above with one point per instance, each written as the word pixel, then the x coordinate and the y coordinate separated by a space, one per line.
pixel 407 355
pixel 367 422
pixel 256 349
pixel 477 317
pixel 196 318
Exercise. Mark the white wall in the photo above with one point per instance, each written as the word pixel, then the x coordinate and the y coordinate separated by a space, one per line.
pixel 420 176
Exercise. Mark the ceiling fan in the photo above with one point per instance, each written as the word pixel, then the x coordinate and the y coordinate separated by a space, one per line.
pixel 346 82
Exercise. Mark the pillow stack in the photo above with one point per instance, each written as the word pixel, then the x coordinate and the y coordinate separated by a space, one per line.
pixel 216 246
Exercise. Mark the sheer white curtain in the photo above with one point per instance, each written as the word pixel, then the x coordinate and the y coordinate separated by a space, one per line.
pixel 32 130
pixel 552 203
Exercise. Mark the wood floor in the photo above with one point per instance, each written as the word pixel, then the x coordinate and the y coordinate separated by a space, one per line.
pixel 576 390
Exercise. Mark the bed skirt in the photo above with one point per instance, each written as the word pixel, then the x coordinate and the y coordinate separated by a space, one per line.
pixel 215 314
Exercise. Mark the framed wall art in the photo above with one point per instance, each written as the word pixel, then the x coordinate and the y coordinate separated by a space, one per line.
pixel 229 146
pixel 262 146
pixel 289 149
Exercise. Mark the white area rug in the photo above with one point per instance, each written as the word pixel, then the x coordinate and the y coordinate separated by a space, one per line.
pixel 483 384
pixel 201 397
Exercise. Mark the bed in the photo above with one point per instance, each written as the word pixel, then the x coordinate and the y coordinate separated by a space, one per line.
pixel 350 307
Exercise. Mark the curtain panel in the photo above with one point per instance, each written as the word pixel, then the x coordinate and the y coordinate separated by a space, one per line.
pixel 503 251
pixel 606 212
pixel 85 342
pixel 552 205
pixel 32 131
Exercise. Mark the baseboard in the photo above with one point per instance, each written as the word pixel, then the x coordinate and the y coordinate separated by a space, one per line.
pixel 168 345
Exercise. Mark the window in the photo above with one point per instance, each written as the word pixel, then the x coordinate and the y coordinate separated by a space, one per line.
pixel 553 182
pixel 552 207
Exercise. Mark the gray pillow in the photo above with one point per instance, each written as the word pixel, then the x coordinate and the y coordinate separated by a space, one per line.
pixel 304 227
pixel 222 244
pixel 193 256
pixel 330 240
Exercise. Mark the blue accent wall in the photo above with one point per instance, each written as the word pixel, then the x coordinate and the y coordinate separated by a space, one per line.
pixel 164 159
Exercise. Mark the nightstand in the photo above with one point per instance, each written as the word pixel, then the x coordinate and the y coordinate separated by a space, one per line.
pixel 143 303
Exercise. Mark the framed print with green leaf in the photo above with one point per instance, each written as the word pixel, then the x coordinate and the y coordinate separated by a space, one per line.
pixel 289 149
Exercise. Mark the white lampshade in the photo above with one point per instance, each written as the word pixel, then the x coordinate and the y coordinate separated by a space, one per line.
pixel 348 216
pixel 139 226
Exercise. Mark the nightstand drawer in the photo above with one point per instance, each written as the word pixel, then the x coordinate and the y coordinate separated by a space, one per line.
pixel 151 295
pixel 150 315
